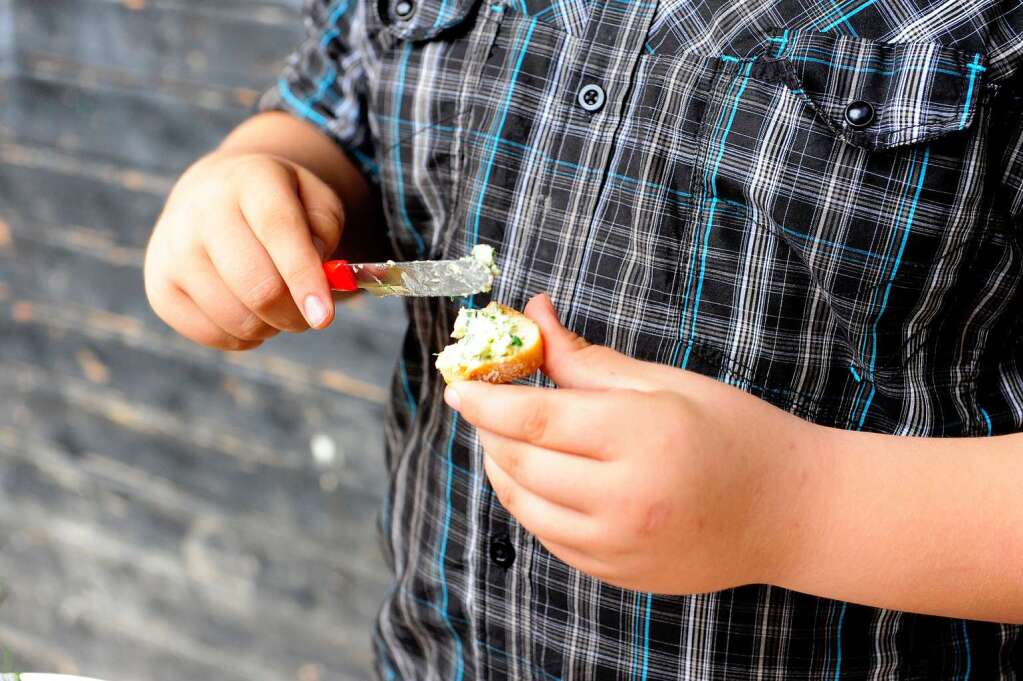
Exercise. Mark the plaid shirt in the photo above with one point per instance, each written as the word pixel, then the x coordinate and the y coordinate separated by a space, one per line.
pixel 817 201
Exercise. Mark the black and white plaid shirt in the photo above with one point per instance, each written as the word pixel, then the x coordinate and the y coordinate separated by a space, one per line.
pixel 817 201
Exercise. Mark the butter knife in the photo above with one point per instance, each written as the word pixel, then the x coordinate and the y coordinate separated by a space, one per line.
pixel 461 277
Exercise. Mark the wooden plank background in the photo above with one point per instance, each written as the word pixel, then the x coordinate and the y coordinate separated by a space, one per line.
pixel 162 512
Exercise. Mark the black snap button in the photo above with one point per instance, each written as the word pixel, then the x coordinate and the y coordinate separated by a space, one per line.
pixel 501 551
pixel 859 114
pixel 404 9
pixel 592 97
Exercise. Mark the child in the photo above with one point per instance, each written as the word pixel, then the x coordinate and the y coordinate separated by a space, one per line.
pixel 789 232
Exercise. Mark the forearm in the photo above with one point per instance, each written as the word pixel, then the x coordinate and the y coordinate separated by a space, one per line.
pixel 916 524
pixel 283 135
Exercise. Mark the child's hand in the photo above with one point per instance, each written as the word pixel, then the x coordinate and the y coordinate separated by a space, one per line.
pixel 236 255
pixel 642 475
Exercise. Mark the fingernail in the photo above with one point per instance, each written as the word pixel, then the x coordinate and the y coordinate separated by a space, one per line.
pixel 452 398
pixel 320 247
pixel 315 311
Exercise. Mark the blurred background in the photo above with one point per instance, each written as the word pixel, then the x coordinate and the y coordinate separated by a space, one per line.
pixel 166 512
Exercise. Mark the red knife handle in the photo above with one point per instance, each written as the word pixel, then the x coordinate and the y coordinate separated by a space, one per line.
pixel 339 275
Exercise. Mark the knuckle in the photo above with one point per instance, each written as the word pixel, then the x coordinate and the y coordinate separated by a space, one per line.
pixel 239 345
pixel 225 342
pixel 252 328
pixel 221 340
pixel 242 171
pixel 268 215
pixel 164 303
pixel 327 215
pixel 651 517
pixel 578 343
pixel 502 488
pixel 185 245
pixel 512 462
pixel 598 355
pixel 255 166
pixel 216 339
pixel 292 322
pixel 534 425
pixel 266 293
pixel 486 442
pixel 267 200
pixel 303 271
pixel 506 496
pixel 282 169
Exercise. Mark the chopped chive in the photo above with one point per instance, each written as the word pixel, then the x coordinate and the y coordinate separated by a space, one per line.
pixel 516 341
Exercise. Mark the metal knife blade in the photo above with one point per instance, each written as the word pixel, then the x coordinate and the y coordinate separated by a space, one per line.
pixel 461 277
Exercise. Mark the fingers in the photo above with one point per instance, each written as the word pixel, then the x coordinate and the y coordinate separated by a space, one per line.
pixel 546 520
pixel 579 559
pixel 248 271
pixel 184 316
pixel 323 210
pixel 236 280
pixel 567 420
pixel 277 217
pixel 572 362
pixel 216 301
pixel 564 479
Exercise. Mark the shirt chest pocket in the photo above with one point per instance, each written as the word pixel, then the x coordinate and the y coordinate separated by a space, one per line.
pixel 865 165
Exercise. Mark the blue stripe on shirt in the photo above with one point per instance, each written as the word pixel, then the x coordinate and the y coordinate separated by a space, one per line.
pixel 399 171
pixel 443 549
pixel 710 216
pixel 891 278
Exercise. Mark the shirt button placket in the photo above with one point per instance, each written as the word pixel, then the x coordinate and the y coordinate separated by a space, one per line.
pixel 598 72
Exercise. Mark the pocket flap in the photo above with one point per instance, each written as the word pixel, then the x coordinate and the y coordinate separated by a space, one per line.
pixel 878 95
pixel 423 19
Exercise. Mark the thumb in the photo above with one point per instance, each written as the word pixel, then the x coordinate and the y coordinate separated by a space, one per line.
pixel 324 212
pixel 573 362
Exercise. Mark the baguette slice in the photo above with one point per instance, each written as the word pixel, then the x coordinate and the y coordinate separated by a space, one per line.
pixel 495 344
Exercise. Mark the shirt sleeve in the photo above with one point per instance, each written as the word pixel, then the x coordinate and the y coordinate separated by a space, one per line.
pixel 324 80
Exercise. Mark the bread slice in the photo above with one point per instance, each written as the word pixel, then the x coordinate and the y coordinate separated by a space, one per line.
pixel 495 344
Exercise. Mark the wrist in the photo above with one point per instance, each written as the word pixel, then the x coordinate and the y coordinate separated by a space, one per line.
pixel 793 508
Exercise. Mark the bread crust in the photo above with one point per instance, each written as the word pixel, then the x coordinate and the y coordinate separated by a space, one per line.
pixel 521 364
pixel 518 366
